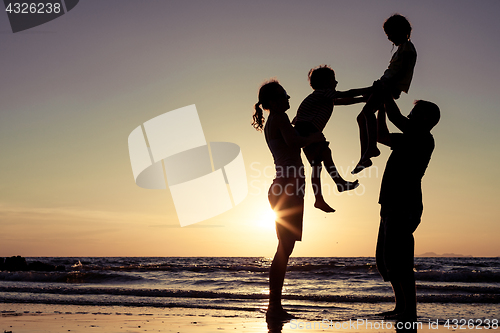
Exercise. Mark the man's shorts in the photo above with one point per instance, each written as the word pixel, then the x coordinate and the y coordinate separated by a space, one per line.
pixel 395 244
pixel 286 196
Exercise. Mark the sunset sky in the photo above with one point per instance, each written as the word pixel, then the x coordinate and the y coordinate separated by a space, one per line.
pixel 73 89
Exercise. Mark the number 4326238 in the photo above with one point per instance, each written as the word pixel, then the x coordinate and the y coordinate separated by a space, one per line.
pixel 33 8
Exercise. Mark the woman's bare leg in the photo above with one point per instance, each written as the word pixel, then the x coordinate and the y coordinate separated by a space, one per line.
pixel 277 277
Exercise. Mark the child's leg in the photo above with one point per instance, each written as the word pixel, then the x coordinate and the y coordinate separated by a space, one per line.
pixel 363 132
pixel 320 202
pixel 367 123
pixel 313 153
pixel 342 185
pixel 371 126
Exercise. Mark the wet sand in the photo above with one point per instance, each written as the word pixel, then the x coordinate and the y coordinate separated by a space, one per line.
pixel 38 318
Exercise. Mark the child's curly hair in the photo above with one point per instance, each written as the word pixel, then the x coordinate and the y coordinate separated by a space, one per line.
pixel 320 77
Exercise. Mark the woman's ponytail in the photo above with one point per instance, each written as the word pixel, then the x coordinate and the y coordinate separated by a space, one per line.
pixel 258 117
pixel 269 91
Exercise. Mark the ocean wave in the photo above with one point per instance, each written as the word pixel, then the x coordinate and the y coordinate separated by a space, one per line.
pixel 457 276
pixel 462 289
pixel 195 294
pixel 247 275
pixel 201 268
pixel 137 303
pixel 67 277
pixel 439 269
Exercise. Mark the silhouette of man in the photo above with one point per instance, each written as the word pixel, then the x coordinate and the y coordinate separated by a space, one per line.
pixel 401 198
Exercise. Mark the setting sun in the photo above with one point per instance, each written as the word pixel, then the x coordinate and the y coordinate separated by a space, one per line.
pixel 267 218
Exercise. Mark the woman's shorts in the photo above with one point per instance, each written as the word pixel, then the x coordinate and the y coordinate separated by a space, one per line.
pixel 286 196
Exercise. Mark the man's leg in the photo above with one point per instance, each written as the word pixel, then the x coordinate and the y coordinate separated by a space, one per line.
pixel 399 297
pixel 406 279
pixel 400 255
pixel 408 289
pixel 382 269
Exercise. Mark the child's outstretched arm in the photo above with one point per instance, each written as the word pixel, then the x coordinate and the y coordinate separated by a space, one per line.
pixel 352 96
pixel 353 93
pixel 349 100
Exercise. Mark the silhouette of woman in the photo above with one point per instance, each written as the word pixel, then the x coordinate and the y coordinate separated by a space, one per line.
pixel 286 194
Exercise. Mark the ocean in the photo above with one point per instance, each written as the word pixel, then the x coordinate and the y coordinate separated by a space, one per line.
pixel 333 288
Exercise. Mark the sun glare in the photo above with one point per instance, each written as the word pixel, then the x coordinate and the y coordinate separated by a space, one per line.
pixel 267 218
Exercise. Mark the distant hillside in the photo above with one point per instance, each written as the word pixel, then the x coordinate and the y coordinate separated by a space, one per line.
pixel 433 254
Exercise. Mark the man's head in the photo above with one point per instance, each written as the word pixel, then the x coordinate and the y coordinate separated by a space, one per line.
pixel 424 115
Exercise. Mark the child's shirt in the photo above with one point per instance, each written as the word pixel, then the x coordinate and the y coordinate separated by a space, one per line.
pixel 316 108
pixel 400 71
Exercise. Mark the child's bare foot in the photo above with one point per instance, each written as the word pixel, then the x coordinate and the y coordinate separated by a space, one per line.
pixel 361 166
pixel 344 185
pixel 365 160
pixel 321 204
pixel 370 153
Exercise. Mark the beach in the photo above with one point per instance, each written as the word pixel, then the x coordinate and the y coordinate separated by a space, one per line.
pixel 24 318
pixel 214 294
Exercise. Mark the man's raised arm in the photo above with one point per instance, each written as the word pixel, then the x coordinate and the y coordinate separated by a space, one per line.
pixel 393 112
